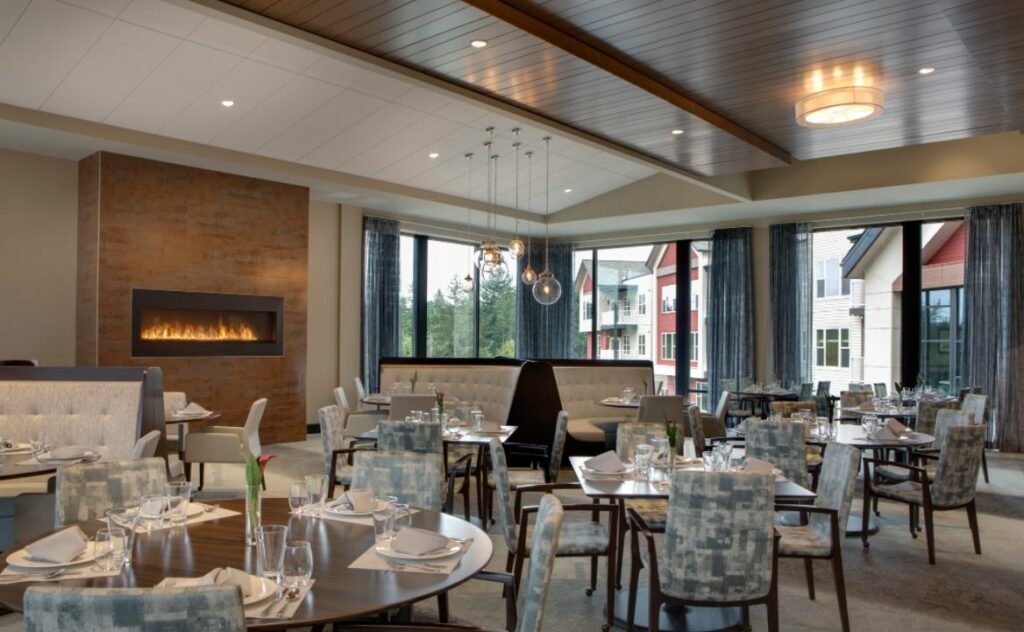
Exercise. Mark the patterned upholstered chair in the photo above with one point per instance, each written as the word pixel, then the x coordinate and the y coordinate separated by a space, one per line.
pixel 591 538
pixel 409 436
pixel 781 443
pixel 412 477
pixel 977 405
pixel 86 490
pixel 703 428
pixel 790 408
pixel 336 444
pixel 551 456
pixel 821 395
pixel 854 399
pixel 947 418
pixel 956 478
pixel 50 608
pixel 653 510
pixel 632 434
pixel 927 412
pixel 822 536
pixel 881 390
pixel 733 564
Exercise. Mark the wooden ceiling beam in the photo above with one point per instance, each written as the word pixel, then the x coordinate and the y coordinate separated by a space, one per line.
pixel 622 68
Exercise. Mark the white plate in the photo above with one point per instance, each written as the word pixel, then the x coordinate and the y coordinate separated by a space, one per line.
pixel 630 468
pixel 343 511
pixel 21 559
pixel 88 456
pixel 191 416
pixel 261 589
pixel 17 447
pixel 452 548
pixel 194 509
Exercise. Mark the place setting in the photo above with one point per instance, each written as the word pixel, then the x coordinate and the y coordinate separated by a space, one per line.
pixel 192 412
pixel 67 554
pixel 400 547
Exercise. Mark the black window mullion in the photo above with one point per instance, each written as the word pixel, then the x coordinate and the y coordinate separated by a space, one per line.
pixel 476 312
pixel 910 304
pixel 683 317
pixel 419 296
pixel 594 351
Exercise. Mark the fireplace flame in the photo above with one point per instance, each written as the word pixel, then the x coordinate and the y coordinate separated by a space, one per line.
pixel 189 332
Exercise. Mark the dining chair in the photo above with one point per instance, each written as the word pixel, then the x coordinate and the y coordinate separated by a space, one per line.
pixel 704 427
pixel 222 444
pixel 591 538
pixel 145 447
pixel 57 607
pixel 881 390
pixel 977 405
pixel 928 411
pixel 356 419
pixel 821 396
pixel 653 510
pixel 967 390
pixel 814 452
pixel 953 487
pixel 403 405
pixel 658 409
pixel 175 401
pixel 415 478
pixel 336 442
pixel 782 444
pixel 733 564
pixel 853 399
pixel 806 391
pixel 360 389
pixel 725 411
pixel 821 537
pixel 86 490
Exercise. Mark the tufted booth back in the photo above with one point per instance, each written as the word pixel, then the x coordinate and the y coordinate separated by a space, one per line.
pixel 581 387
pixel 97 414
pixel 489 388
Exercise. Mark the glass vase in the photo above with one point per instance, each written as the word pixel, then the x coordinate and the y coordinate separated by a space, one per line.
pixel 253 511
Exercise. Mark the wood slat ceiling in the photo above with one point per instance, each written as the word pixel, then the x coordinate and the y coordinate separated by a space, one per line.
pixel 748 60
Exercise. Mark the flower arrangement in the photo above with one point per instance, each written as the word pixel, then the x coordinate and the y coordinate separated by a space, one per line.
pixel 439 398
pixel 253 481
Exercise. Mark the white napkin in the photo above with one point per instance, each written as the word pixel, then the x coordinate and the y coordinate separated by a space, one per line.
pixel 896 427
pixel 66 452
pixel 607 462
pixel 885 434
pixel 490 426
pixel 413 541
pixel 218 577
pixel 61 547
pixel 193 409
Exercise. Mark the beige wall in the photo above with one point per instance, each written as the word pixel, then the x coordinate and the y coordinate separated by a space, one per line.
pixel 38 233
pixel 322 323
pixel 350 289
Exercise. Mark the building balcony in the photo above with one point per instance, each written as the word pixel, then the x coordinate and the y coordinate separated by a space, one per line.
pixel 609 319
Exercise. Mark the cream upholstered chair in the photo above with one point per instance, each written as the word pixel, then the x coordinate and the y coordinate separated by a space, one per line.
pixel 222 444
pixel 50 608
pixel 86 490
pixel 704 427
pixel 353 420
pixel 977 405
pixel 657 409
pixel 403 405
pixel 145 447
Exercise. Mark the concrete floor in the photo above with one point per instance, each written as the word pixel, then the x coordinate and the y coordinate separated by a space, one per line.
pixel 890 586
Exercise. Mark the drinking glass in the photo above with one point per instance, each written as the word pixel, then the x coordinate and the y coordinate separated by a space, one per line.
pixel 109 549
pixel 627 394
pixel 126 518
pixel 660 445
pixel 709 461
pixel 402 518
pixel 725 454
pixel 297 498
pixel 642 459
pixel 178 495
pixel 316 489
pixel 298 564
pixel 37 439
pixel 477 417
pixel 270 541
pixel 383 519
pixel 152 510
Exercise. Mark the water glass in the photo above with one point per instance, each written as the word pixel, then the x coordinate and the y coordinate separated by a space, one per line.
pixel 316 489
pixel 435 414
pixel 297 498
pixel 126 518
pixel 110 547
pixel 401 519
pixel 270 543
pixel 477 419
pixel 152 510
pixel 627 394
pixel 709 460
pixel 660 445
pixel 298 564
pixel 642 459
pixel 383 519
pixel 178 495
pixel 37 439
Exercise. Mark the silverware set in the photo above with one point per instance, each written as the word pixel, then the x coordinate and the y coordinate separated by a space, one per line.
pixel 36 577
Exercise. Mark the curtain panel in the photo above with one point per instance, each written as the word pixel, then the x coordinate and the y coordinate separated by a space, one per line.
pixel 994 300
pixel 730 317
pixel 381 290
pixel 546 331
pixel 791 269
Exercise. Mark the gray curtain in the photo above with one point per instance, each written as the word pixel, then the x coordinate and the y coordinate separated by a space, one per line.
pixel 381 289
pixel 791 268
pixel 730 310
pixel 994 300
pixel 546 331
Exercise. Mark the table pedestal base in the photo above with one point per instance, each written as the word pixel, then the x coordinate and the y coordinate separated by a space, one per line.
pixel 689 618
pixel 855 524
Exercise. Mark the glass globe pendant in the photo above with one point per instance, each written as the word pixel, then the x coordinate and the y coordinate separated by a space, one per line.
pixel 467 283
pixel 529 276
pixel 516 248
pixel 547 290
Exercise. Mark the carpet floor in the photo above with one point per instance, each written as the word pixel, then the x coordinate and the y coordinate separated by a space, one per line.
pixel 890 586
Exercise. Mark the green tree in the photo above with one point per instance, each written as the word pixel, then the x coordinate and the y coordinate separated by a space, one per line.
pixel 497 315
pixel 450 322
pixel 405 324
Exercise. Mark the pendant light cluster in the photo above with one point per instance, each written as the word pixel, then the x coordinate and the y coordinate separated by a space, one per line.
pixel 487 257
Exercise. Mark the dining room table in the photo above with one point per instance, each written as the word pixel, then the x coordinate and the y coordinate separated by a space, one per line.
pixel 761 399
pixel 338 593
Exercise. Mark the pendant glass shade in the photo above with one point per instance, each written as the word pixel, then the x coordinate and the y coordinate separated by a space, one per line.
pixel 516 249
pixel 491 270
pixel 488 255
pixel 467 283
pixel 529 276
pixel 547 290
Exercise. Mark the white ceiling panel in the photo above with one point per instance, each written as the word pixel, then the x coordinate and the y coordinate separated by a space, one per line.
pixel 111 8
pixel 382 86
pixel 10 11
pixel 429 101
pixel 284 55
pixel 227 37
pixel 54 36
pixel 184 76
pixel 248 84
pixel 415 139
pixel 163 16
pixel 340 113
pixel 105 76
pixel 418 169
pixel 462 112
pixel 335 71
pixel 299 98
pixel 389 120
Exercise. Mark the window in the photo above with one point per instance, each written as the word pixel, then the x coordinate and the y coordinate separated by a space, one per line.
pixel 624 306
pixel 450 308
pixel 832 347
pixel 828 278
pixel 497 331
pixel 625 345
pixel 588 310
pixel 668 299
pixel 641 304
pixel 693 345
pixel 641 345
pixel 406 316
pixel 668 346
pixel 942 330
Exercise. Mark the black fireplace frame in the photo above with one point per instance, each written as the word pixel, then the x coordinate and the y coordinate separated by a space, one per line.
pixel 171 299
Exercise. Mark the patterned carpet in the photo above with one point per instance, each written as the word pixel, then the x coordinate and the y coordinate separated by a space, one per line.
pixel 890 586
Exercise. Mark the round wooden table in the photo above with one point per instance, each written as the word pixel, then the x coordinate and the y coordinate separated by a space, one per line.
pixel 339 593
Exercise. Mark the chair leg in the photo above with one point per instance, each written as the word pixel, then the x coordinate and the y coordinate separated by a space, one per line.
pixel 517 570
pixel 809 571
pixel 746 619
pixel 865 515
pixel 611 581
pixel 773 613
pixel 837 573
pixel 912 520
pixel 972 519
pixel 509 561
pixel 654 613
pixel 593 575
pixel 622 544
pixel 929 534
pixel 442 607
pixel 984 465
pixel 202 475
pixel 188 471
pixel 634 580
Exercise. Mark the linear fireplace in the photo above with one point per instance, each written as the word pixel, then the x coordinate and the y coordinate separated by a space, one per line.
pixel 169 323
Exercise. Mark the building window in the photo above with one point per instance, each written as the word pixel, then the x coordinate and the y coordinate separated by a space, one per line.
pixel 832 347
pixel 694 340
pixel 625 306
pixel 625 344
pixel 588 310
pixel 668 299
pixel 641 344
pixel 828 279
pixel 668 346
pixel 942 331
pixel 641 304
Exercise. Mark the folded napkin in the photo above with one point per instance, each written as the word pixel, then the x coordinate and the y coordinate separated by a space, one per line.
pixel 758 466
pixel 896 427
pixel 67 452
pixel 411 541
pixel 358 500
pixel 60 548
pixel 607 462
pixel 220 577
pixel 885 434
pixel 490 426
pixel 193 409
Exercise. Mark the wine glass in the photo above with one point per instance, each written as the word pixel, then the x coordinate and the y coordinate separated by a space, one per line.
pixel 297 498
pixel 298 564
pixel 37 439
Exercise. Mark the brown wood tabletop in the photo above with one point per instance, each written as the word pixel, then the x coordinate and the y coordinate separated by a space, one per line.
pixel 11 467
pixel 339 593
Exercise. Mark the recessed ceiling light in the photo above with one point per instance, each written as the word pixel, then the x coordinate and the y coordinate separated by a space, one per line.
pixel 677 132
pixel 433 155
pixel 927 70
pixel 840 106
pixel 566 190
pixel 478 43
pixel 227 103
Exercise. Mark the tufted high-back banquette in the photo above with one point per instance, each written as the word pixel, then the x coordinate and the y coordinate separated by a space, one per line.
pixel 489 387
pixel 104 408
pixel 583 383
